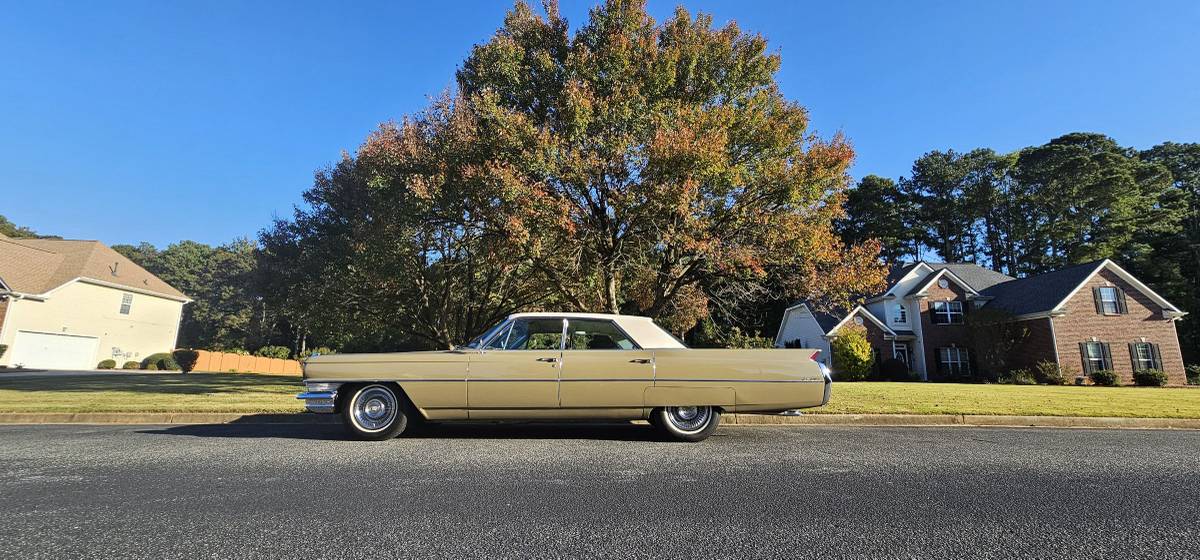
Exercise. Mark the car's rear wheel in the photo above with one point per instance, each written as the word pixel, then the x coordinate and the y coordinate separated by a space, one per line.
pixel 375 412
pixel 687 423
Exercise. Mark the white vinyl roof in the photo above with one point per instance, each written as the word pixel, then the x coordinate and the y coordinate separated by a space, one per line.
pixel 643 329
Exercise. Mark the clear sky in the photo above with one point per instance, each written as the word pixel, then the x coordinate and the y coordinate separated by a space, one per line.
pixel 161 121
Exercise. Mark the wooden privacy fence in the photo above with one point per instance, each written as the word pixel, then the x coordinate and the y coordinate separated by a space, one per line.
pixel 224 362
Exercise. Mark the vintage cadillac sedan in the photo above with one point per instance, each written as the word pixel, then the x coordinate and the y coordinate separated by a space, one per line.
pixel 547 366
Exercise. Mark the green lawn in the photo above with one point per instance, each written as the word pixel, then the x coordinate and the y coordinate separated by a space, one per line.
pixel 1023 400
pixel 250 393
pixel 165 392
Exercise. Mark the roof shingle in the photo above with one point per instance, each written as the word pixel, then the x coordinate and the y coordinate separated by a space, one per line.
pixel 36 266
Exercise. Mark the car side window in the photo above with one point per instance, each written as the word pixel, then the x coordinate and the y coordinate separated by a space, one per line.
pixel 597 334
pixel 529 334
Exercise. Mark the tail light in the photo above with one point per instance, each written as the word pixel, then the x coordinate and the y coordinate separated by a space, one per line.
pixel 814 355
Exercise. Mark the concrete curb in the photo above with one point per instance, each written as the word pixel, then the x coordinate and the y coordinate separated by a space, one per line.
pixel 726 420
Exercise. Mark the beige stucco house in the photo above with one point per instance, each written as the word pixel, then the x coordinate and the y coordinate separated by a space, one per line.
pixel 68 304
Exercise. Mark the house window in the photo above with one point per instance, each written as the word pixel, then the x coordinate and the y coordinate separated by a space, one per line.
pixel 1144 355
pixel 1096 356
pixel 901 314
pixel 1110 300
pixel 947 312
pixel 126 303
pixel 954 361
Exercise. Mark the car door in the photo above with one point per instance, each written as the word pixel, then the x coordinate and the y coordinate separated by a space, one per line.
pixel 602 367
pixel 517 370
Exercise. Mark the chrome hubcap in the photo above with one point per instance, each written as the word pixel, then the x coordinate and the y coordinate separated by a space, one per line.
pixel 689 418
pixel 375 408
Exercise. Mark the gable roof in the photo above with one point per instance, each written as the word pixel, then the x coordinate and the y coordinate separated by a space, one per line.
pixel 860 310
pixel 972 276
pixel 1041 293
pixel 38 266
pixel 1049 292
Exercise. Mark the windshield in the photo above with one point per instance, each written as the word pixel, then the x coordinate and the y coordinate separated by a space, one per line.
pixel 479 340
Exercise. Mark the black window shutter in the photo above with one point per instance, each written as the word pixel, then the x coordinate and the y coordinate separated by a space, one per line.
pixel 971 367
pixel 1133 355
pixel 1087 364
pixel 1121 308
pixel 1154 353
pixel 1096 298
pixel 1107 355
pixel 941 366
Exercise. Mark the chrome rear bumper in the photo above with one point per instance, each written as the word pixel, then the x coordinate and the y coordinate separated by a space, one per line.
pixel 828 384
pixel 320 397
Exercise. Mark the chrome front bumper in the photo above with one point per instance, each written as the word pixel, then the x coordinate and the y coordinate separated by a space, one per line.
pixel 320 397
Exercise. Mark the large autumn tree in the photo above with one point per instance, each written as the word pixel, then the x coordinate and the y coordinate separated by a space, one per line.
pixel 629 167
pixel 657 168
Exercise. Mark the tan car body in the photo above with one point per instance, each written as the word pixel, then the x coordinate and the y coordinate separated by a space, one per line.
pixel 474 384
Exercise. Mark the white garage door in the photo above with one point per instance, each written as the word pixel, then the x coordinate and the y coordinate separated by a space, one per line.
pixel 54 351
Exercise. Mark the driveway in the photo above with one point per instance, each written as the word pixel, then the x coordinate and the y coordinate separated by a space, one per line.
pixel 11 373
pixel 244 491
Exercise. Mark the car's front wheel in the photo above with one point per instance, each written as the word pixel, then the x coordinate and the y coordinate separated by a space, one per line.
pixel 375 412
pixel 687 423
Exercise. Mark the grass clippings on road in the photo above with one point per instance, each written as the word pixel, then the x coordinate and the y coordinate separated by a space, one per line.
pixel 253 393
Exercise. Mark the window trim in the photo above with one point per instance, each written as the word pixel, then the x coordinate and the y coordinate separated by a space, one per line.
pixel 962 360
pixel 1105 357
pixel 507 328
pixel 1153 356
pixel 948 314
pixel 567 331
pixel 1115 301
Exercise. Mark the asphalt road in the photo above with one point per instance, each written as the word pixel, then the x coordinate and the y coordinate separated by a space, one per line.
pixel 245 491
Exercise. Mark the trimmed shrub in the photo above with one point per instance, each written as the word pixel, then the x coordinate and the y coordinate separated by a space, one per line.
pixel 150 367
pixel 131 365
pixel 280 352
pixel 853 357
pixel 1049 373
pixel 186 359
pixel 1019 377
pixel 106 364
pixel 1105 378
pixel 892 369
pixel 161 361
pixel 3 349
pixel 1193 373
pixel 1150 378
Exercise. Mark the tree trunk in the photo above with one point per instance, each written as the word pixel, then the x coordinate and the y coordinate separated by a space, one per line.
pixel 610 290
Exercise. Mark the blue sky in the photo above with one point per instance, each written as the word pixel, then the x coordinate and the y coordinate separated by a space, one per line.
pixel 161 121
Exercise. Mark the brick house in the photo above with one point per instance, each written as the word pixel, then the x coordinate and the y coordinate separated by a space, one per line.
pixel 1084 317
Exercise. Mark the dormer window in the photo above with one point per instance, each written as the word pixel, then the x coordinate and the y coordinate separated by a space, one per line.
pixel 901 314
pixel 946 312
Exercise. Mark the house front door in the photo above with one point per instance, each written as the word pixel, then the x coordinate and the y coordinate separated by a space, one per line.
pixel 900 352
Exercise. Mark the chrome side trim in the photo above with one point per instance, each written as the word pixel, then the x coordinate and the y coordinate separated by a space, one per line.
pixel 670 380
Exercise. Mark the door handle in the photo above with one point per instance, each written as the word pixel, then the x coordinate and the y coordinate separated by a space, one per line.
pixel 551 360
pixel 640 361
